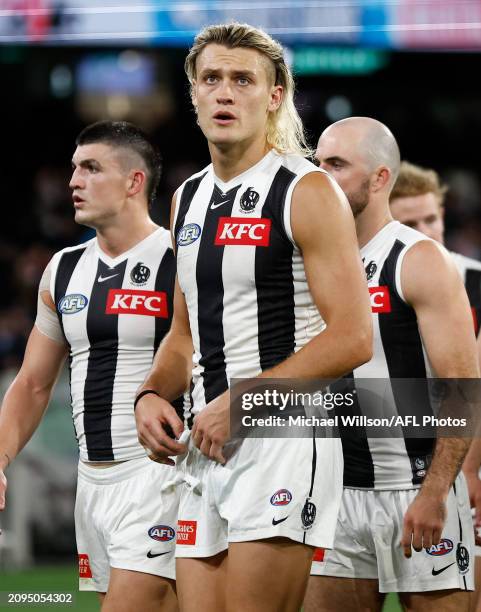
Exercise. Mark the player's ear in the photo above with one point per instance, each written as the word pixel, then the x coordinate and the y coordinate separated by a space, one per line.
pixel 136 182
pixel 275 100
pixel 380 178
pixel 193 96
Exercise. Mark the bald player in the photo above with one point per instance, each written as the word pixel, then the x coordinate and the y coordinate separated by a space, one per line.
pixel 417 200
pixel 398 493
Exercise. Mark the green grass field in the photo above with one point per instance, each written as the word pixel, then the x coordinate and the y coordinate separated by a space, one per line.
pixel 64 579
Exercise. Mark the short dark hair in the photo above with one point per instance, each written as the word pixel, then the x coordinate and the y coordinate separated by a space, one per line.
pixel 128 136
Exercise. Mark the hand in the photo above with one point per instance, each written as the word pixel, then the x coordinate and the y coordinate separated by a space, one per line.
pixel 423 522
pixel 3 489
pixel 154 418
pixel 211 428
pixel 474 488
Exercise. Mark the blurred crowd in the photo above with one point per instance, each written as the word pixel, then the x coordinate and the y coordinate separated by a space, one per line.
pixel 52 227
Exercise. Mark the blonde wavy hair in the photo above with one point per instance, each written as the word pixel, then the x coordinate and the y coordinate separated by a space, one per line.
pixel 285 131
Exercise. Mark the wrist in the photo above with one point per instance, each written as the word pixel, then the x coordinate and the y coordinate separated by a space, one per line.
pixel 435 490
pixel 142 393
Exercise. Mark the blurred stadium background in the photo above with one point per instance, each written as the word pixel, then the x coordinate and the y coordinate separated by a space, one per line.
pixel 413 64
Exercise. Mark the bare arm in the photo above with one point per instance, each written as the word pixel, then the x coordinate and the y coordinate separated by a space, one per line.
pixel 27 397
pixel 433 287
pixel 323 228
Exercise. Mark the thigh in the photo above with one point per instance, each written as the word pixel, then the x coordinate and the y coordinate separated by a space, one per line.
pixel 329 594
pixel 201 583
pixel 131 591
pixel 434 601
pixel 267 576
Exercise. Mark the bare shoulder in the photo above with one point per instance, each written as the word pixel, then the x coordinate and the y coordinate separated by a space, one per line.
pixel 319 206
pixel 428 271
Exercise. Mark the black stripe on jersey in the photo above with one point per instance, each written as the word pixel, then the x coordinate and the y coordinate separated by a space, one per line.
pixel 403 349
pixel 165 281
pixel 274 280
pixel 187 194
pixel 472 282
pixel 102 332
pixel 210 298
pixel 358 462
pixel 67 264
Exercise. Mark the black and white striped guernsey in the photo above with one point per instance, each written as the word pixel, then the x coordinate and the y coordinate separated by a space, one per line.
pixel 114 313
pixel 470 270
pixel 241 272
pixel 401 462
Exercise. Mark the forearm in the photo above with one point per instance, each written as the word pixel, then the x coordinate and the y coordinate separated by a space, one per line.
pixel 331 354
pixel 448 458
pixel 172 367
pixel 21 412
pixel 472 462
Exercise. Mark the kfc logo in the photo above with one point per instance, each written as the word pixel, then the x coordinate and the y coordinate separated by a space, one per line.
pixel 134 301
pixel 380 299
pixel 238 230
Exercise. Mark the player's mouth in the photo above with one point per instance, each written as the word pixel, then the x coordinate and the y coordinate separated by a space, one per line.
pixel 224 117
pixel 77 201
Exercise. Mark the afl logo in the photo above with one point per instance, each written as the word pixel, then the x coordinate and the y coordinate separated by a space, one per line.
pixel 140 274
pixel 70 304
pixel 444 547
pixel 249 200
pixel 281 498
pixel 162 533
pixel 188 234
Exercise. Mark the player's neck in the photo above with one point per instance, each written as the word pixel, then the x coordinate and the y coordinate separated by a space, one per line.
pixel 231 160
pixel 370 222
pixel 118 238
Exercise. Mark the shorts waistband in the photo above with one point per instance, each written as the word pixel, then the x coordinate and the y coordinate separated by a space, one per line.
pixel 114 473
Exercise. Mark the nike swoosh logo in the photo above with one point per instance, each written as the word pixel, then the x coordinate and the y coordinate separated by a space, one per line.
pixel 151 555
pixel 213 206
pixel 436 572
pixel 274 522
pixel 101 278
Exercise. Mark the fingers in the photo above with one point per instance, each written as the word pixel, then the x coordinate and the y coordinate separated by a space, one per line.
pixel 3 488
pixel 163 460
pixel 175 423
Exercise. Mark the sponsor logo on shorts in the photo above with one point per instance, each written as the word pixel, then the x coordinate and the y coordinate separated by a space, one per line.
pixel 318 555
pixel 70 304
pixel 151 555
pixel 162 533
pixel 436 572
pixel 84 570
pixel 462 558
pixel 444 547
pixel 281 498
pixel 186 532
pixel 380 299
pixel 238 230
pixel 137 302
pixel 188 234
pixel 308 515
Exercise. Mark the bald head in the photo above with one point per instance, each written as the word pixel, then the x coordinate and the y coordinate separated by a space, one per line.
pixel 362 155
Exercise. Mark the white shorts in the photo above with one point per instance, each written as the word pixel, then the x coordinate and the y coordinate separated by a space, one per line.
pixel 368 536
pixel 125 517
pixel 268 487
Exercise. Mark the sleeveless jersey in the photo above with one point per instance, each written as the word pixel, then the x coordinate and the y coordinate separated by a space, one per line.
pixel 398 462
pixel 241 272
pixel 470 270
pixel 114 313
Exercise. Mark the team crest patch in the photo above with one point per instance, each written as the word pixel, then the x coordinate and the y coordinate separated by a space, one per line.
pixel 308 515
pixel 249 200
pixel 188 234
pixel 140 274
pixel 72 303
pixel 370 270
pixel 462 558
